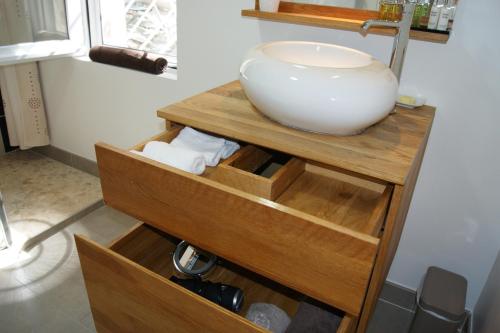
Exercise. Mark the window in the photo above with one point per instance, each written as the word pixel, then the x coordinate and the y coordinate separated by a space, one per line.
pixel 32 30
pixel 146 25
pixel 48 19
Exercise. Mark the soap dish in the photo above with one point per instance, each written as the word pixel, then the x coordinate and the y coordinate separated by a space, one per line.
pixel 410 98
pixel 410 102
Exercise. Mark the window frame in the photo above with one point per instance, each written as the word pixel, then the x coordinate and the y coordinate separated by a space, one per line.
pixel 77 42
pixel 95 30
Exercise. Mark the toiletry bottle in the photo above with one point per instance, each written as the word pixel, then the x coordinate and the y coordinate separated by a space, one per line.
pixel 390 10
pixel 421 14
pixel 453 10
pixel 444 17
pixel 434 14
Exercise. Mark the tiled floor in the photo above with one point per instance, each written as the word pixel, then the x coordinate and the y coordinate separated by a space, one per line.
pixel 394 312
pixel 390 318
pixel 43 191
pixel 46 293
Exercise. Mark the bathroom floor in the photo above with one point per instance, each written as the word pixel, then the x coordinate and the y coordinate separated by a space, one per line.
pixel 39 190
pixel 45 292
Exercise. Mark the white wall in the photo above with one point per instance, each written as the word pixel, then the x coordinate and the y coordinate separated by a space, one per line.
pixel 454 218
pixel 486 318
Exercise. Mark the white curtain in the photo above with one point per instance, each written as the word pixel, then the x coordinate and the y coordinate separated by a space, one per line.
pixel 20 84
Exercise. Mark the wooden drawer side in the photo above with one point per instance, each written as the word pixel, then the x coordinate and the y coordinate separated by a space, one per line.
pixel 237 172
pixel 126 297
pixel 260 235
pixel 347 325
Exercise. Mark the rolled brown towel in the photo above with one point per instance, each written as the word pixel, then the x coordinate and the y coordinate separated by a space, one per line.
pixel 133 59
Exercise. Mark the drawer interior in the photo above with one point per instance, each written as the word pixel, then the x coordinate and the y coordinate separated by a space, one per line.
pixel 261 162
pixel 152 249
pixel 339 198
pixel 258 171
pixel 228 217
pixel 309 187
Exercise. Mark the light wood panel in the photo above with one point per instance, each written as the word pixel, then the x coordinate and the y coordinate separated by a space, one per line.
pixel 250 231
pixel 374 224
pixel 249 159
pixel 152 249
pixel 338 201
pixel 145 251
pixel 127 297
pixel 149 247
pixel 131 233
pixel 385 151
pixel 336 18
pixel 339 198
pixel 370 183
pixel 348 325
pixel 237 172
pixel 285 176
pixel 396 216
pixel 166 136
pixel 328 11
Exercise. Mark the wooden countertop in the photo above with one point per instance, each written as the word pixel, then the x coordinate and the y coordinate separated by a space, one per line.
pixel 385 151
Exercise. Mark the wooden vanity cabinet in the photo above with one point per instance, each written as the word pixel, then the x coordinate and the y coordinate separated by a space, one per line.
pixel 325 223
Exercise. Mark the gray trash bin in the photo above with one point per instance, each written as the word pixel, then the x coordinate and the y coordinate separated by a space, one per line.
pixel 440 303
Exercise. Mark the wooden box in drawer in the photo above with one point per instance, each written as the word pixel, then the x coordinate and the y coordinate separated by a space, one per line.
pixel 129 290
pixel 318 236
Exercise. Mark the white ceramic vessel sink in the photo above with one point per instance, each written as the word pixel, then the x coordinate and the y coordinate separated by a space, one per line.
pixel 318 87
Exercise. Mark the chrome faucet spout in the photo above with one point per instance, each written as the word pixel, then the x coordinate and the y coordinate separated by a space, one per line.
pixel 400 40
pixel 368 24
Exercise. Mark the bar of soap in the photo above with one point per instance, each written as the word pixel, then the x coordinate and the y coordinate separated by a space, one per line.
pixel 408 100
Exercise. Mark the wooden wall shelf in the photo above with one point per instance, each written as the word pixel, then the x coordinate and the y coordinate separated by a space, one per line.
pixel 335 18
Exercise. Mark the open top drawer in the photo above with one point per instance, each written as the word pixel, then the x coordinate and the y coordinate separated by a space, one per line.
pixel 318 236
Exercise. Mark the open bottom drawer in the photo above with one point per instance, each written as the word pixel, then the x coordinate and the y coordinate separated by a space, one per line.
pixel 324 251
pixel 129 290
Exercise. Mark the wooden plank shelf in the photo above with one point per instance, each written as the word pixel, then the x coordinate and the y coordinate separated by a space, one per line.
pixel 349 23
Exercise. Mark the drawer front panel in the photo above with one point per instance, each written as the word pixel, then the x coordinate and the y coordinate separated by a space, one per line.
pixel 330 263
pixel 126 297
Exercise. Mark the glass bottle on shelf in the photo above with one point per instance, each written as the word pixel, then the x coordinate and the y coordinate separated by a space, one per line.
pixel 434 14
pixel 421 14
pixel 390 10
pixel 453 10
pixel 444 16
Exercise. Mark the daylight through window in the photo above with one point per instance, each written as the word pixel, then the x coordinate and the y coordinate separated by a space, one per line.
pixel 148 25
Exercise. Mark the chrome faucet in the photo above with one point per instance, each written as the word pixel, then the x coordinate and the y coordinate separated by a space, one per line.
pixel 400 40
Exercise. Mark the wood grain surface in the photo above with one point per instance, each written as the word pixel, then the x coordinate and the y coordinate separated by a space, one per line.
pixel 253 232
pixel 348 324
pixel 143 254
pixel 324 225
pixel 394 224
pixel 152 249
pixel 127 297
pixel 335 18
pixel 385 151
pixel 337 201
pixel 329 11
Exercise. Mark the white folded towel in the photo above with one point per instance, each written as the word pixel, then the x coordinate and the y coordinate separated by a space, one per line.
pixel 212 148
pixel 230 147
pixel 177 157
